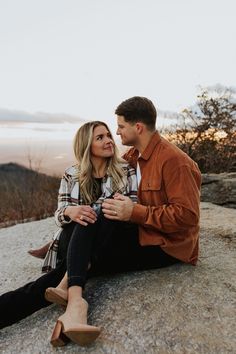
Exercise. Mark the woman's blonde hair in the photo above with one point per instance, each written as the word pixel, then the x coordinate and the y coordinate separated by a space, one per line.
pixel 82 150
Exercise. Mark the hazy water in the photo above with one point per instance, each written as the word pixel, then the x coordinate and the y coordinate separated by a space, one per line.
pixel 38 131
pixel 49 146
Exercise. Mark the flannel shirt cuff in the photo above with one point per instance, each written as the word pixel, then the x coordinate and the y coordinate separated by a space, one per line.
pixel 62 218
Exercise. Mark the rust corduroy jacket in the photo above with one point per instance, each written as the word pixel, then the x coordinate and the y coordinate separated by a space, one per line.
pixel 168 205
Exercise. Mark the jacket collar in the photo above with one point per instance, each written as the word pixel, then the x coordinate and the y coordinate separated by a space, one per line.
pixel 133 154
pixel 155 139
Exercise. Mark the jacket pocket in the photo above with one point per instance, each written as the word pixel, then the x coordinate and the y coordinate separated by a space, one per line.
pixel 152 193
pixel 151 186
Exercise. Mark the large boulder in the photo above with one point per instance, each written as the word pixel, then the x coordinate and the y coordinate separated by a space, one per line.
pixel 219 189
pixel 174 310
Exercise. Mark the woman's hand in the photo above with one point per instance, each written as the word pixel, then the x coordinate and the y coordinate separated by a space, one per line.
pixel 82 214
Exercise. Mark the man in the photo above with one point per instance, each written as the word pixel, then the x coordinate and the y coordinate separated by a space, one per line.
pixel 169 185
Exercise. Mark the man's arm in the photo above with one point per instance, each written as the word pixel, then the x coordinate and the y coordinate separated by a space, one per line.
pixel 182 211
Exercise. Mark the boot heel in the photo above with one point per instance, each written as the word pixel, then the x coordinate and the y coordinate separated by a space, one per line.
pixel 58 338
pixel 83 334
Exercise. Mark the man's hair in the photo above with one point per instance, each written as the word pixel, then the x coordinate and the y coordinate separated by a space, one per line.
pixel 138 109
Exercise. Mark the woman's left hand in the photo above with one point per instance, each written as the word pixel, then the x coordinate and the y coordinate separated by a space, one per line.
pixel 119 208
pixel 82 214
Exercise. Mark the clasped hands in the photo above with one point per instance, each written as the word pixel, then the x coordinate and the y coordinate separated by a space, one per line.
pixel 118 208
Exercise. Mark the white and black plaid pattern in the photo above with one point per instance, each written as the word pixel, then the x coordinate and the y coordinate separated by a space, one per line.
pixel 69 194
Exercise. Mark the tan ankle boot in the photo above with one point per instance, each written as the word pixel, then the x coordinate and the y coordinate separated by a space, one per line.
pixel 78 331
pixel 57 296
pixel 40 252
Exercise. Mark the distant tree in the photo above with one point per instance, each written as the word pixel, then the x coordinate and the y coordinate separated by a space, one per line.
pixel 207 131
pixel 35 160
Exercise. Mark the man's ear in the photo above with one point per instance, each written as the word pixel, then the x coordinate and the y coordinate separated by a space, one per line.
pixel 139 127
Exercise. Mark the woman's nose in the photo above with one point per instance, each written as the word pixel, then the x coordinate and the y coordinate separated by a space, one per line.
pixel 109 139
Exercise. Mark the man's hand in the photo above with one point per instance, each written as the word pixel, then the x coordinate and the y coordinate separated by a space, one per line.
pixel 82 214
pixel 119 208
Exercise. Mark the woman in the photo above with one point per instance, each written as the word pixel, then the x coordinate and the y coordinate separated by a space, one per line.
pixel 98 174
pixel 97 244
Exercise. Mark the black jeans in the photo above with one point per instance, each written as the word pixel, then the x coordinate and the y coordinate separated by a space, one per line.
pixel 110 247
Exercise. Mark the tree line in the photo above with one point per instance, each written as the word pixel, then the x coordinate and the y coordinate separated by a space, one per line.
pixel 207 131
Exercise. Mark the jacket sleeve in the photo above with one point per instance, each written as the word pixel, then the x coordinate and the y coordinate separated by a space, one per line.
pixel 182 188
pixel 64 200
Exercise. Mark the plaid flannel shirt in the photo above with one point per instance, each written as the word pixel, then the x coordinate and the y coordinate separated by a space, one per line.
pixel 69 194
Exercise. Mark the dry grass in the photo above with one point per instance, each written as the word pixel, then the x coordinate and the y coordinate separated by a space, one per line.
pixel 26 194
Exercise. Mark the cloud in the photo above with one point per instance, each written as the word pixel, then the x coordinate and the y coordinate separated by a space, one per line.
pixel 167 115
pixel 52 122
pixel 221 89
pixel 7 115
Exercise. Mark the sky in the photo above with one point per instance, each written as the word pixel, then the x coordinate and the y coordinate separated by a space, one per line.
pixel 63 62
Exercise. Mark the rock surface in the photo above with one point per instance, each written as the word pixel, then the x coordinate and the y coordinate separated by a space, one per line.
pixel 180 309
pixel 219 189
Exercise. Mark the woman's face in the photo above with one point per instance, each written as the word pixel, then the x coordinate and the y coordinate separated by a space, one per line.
pixel 102 143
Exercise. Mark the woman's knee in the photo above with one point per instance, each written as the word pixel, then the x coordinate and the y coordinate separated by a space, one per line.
pixel 85 231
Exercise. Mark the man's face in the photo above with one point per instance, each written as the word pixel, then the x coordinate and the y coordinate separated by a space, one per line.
pixel 128 132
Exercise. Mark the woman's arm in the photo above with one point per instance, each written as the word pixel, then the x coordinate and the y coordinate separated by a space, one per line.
pixel 132 184
pixel 68 208
pixel 64 200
